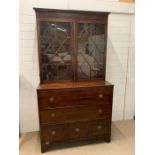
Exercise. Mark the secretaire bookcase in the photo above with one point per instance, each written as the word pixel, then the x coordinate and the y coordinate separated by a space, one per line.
pixel 74 99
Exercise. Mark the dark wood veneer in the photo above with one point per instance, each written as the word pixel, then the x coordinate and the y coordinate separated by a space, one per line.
pixel 79 106
pixel 74 113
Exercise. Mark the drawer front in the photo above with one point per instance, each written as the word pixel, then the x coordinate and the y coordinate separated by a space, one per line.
pixel 51 98
pixel 78 130
pixel 99 128
pixel 89 129
pixel 72 97
pixel 51 134
pixel 70 114
pixel 94 95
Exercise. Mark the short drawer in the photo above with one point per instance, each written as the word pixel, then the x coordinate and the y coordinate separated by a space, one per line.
pixel 55 98
pixel 99 127
pixel 70 114
pixel 89 129
pixel 51 134
pixel 78 130
pixel 94 95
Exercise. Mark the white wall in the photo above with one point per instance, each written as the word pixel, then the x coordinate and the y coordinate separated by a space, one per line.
pixel 120 55
pixel 129 105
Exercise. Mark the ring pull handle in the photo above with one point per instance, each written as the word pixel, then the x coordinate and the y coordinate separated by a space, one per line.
pixel 100 96
pixel 77 129
pixel 47 143
pixel 51 99
pixel 52 115
pixel 53 132
pixel 100 111
pixel 99 127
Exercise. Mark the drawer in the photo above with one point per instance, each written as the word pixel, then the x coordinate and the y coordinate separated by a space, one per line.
pixel 89 129
pixel 70 114
pixel 73 97
pixel 51 134
pixel 55 98
pixel 77 130
pixel 99 128
pixel 94 95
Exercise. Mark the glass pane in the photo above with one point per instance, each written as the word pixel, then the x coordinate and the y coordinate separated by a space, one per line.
pixel 56 50
pixel 90 51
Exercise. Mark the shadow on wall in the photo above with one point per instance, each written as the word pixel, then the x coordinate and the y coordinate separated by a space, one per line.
pixel 116 71
pixel 29 80
pixel 116 61
pixel 28 113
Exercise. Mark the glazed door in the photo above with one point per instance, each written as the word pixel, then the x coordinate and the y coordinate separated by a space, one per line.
pixel 72 45
pixel 55 51
pixel 90 50
pixel 72 50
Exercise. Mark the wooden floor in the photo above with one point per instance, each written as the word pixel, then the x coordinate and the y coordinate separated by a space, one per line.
pixel 123 141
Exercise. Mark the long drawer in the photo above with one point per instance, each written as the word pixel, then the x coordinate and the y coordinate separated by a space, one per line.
pixel 73 131
pixel 70 114
pixel 71 97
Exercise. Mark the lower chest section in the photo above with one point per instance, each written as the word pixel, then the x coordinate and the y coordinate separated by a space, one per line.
pixel 80 130
pixel 74 114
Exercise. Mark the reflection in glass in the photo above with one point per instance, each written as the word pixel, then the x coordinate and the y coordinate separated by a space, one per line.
pixel 90 51
pixel 56 51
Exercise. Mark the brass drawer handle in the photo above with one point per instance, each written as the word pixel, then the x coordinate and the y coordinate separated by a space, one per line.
pixel 99 127
pixel 100 111
pixel 53 132
pixel 100 96
pixel 53 115
pixel 77 129
pixel 47 143
pixel 51 99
